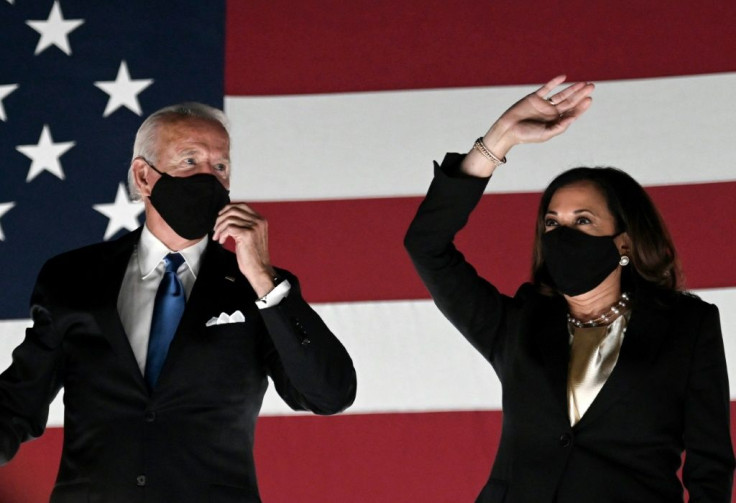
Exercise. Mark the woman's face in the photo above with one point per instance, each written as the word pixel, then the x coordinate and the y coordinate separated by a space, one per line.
pixel 582 206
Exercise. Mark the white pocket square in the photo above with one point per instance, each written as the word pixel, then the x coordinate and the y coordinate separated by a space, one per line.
pixel 224 318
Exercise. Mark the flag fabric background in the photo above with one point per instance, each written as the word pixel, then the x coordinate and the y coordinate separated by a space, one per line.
pixel 337 111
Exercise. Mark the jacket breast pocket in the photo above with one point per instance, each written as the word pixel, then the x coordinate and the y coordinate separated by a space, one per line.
pixel 226 355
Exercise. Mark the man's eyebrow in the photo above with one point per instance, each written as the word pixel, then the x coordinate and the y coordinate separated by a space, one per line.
pixel 187 152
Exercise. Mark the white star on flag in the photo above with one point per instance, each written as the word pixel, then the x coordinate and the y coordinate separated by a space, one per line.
pixel 45 154
pixel 4 91
pixel 123 213
pixel 55 30
pixel 123 91
pixel 4 208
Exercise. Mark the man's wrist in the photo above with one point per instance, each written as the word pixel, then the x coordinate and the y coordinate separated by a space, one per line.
pixel 263 280
pixel 276 295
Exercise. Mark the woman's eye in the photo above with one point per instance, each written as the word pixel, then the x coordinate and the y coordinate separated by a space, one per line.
pixel 550 222
pixel 582 221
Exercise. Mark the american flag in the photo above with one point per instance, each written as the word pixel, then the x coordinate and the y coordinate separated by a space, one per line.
pixel 338 109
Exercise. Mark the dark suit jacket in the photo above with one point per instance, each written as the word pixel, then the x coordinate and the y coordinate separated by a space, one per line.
pixel 668 391
pixel 191 439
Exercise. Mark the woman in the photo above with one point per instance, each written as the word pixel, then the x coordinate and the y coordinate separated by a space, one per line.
pixel 608 371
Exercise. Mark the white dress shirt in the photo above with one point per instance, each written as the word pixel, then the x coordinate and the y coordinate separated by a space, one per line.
pixel 141 281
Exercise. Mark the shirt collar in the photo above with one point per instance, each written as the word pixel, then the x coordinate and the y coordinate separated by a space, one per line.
pixel 151 251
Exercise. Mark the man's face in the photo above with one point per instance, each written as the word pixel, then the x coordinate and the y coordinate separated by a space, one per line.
pixel 191 146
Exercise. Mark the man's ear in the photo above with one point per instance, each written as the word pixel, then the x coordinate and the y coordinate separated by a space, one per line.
pixel 142 176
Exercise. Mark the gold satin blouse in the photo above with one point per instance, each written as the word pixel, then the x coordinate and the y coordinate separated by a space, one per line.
pixel 593 355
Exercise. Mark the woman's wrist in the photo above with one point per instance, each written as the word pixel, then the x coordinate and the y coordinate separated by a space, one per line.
pixel 477 165
pixel 497 139
pixel 488 152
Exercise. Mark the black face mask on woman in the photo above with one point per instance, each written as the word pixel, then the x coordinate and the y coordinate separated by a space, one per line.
pixel 578 262
pixel 189 204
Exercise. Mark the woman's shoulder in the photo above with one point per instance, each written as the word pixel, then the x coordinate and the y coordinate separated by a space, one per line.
pixel 688 302
pixel 679 303
pixel 687 297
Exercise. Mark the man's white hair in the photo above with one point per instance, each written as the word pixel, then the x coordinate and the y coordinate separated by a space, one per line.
pixel 147 135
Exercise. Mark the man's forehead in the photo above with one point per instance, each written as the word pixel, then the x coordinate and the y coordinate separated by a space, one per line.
pixel 172 122
pixel 194 130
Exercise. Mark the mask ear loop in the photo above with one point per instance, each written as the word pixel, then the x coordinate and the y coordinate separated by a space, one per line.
pixel 150 164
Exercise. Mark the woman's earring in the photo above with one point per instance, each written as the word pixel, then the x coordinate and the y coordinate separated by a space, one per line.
pixel 624 261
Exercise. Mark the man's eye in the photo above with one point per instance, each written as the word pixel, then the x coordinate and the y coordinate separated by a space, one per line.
pixel 190 161
pixel 220 167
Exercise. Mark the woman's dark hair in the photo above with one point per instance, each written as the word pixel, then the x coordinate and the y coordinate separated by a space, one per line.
pixel 653 257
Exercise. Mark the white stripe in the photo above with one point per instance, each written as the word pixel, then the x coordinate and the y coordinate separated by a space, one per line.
pixel 671 130
pixel 408 357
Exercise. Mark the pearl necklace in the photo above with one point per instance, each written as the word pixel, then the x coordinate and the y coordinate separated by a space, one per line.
pixel 605 318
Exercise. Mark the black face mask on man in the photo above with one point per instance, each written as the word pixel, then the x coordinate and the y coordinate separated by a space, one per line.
pixel 189 204
pixel 578 262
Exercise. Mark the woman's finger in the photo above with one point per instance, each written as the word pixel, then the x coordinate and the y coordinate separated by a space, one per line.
pixel 549 86
pixel 571 98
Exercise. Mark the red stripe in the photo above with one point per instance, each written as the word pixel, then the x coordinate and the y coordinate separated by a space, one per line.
pixel 351 458
pixel 286 47
pixel 30 476
pixel 701 221
pixel 351 250
pixel 429 457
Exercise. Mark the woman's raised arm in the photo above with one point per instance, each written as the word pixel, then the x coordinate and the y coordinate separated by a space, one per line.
pixel 533 119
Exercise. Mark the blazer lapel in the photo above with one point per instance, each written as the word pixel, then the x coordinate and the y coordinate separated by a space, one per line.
pixel 552 339
pixel 644 336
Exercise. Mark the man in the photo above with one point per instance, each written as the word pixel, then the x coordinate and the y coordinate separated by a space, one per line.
pixel 163 339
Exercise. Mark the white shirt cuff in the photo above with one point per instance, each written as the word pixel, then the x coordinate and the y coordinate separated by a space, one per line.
pixel 275 296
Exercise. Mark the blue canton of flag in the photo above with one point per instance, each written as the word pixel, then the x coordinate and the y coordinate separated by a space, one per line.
pixel 78 77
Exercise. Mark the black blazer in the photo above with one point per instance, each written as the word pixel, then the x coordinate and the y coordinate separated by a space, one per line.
pixel 191 439
pixel 667 393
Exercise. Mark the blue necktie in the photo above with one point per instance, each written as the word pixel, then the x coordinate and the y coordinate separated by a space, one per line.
pixel 167 311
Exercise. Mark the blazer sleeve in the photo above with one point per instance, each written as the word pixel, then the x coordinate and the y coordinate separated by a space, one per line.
pixel 33 378
pixel 709 459
pixel 473 305
pixel 310 368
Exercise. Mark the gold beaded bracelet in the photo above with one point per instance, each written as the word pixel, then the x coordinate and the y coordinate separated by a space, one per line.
pixel 481 147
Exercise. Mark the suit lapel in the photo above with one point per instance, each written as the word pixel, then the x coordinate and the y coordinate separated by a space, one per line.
pixel 215 282
pixel 113 267
pixel 219 287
